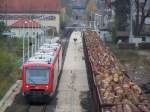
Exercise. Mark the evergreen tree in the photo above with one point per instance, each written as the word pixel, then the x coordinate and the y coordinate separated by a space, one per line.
pixel 122 10
pixel 2 27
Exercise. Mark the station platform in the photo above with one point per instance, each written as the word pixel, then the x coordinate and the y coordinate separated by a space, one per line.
pixel 73 82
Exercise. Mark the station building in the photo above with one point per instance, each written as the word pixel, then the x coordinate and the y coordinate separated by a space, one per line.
pixel 25 28
pixel 46 12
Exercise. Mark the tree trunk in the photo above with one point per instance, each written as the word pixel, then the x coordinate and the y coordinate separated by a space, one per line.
pixel 141 25
pixel 137 18
pixel 143 17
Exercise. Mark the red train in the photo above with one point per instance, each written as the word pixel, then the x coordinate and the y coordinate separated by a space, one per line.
pixel 40 73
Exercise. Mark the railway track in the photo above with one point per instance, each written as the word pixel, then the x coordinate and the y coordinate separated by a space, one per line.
pixel 38 108
pixel 44 108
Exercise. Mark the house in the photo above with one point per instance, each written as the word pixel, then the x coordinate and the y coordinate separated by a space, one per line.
pixel 147 26
pixel 122 36
pixel 47 12
pixel 104 14
pixel 26 28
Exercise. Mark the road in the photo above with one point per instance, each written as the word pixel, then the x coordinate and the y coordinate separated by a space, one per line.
pixel 73 83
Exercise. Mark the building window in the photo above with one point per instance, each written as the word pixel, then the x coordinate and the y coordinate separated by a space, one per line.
pixel 143 39
pixel 51 18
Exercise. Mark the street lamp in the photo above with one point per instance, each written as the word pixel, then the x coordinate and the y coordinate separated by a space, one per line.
pixel 31 43
pixel 27 35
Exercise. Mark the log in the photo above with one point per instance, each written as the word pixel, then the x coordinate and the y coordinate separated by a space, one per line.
pixel 116 89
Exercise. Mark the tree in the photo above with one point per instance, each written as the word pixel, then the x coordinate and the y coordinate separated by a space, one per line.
pixel 67 5
pixel 91 7
pixel 3 27
pixel 122 9
pixel 66 13
pixel 142 12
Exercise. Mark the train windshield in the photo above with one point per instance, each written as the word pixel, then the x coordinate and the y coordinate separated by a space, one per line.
pixel 37 75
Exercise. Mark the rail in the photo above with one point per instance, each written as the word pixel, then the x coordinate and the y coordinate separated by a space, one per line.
pixel 44 108
pixel 38 108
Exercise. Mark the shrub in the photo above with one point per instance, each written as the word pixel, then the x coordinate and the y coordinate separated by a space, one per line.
pixel 126 46
pixel 144 46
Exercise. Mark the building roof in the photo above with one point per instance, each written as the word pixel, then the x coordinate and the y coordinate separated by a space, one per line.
pixel 26 23
pixel 29 6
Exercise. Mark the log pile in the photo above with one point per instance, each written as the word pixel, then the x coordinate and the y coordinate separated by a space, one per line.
pixel 117 92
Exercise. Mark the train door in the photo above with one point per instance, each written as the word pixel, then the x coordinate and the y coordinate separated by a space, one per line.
pixel 56 72
pixel 60 60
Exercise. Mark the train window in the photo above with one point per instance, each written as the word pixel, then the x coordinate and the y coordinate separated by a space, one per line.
pixel 37 75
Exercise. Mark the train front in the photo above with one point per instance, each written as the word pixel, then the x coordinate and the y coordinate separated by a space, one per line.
pixel 37 81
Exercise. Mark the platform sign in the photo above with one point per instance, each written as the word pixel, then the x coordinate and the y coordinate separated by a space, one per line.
pixel 10 34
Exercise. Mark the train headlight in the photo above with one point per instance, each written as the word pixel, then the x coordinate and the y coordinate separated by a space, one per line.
pixel 46 87
pixel 27 86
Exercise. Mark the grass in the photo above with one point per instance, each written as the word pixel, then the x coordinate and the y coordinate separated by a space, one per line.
pixel 131 57
pixel 139 64
pixel 10 55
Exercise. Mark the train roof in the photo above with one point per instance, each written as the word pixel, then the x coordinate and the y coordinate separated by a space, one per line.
pixel 45 52
pixel 47 46
pixel 53 45
pixel 53 40
pixel 46 58
pixel 45 55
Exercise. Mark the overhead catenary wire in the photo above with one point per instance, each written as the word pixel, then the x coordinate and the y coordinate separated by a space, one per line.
pixel 28 36
pixel 22 35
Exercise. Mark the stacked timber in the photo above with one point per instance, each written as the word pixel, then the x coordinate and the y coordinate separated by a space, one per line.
pixel 117 92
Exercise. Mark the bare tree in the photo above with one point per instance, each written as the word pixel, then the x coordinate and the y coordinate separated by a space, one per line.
pixel 142 12
pixel 122 10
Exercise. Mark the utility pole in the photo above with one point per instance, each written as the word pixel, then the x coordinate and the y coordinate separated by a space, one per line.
pixel 131 22
pixel 95 19
pixel 31 43
pixel 23 46
pixel 35 39
pixel 28 40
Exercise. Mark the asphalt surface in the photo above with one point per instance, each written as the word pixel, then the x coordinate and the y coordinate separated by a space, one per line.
pixel 73 86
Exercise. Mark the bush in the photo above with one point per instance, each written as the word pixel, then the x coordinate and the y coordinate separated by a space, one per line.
pixel 144 45
pixel 126 46
pixel 8 62
pixel 7 70
pixel 3 27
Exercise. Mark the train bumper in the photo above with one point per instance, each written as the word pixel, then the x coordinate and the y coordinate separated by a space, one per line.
pixel 38 95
